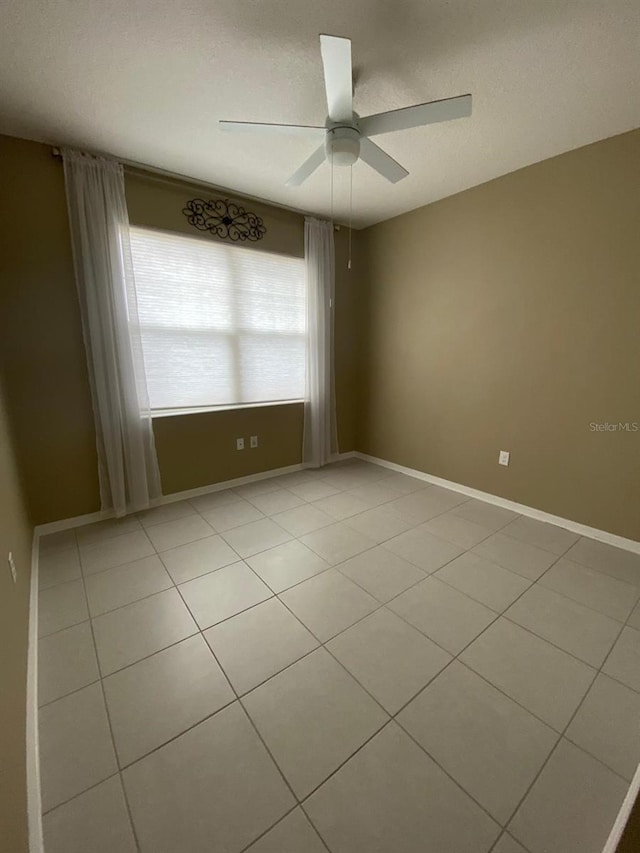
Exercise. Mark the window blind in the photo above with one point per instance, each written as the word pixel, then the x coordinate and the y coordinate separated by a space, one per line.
pixel 220 325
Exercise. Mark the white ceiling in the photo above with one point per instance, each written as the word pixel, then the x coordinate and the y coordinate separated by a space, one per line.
pixel 147 80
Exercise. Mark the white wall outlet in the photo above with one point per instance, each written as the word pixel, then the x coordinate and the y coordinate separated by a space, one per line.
pixel 254 441
pixel 503 459
pixel 239 443
pixel 12 567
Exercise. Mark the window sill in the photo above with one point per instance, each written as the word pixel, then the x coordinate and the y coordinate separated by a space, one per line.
pixel 168 413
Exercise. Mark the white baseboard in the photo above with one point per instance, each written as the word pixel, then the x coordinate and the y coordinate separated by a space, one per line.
pixel 34 800
pixel 174 497
pixel 521 509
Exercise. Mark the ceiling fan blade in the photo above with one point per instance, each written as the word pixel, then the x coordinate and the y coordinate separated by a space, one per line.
pixel 264 127
pixel 381 161
pixel 308 168
pixel 416 116
pixel 338 76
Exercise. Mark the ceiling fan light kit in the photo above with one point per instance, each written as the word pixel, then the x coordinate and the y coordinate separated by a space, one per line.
pixel 345 138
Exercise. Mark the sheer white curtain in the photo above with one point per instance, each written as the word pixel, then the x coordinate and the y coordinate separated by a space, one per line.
pixel 128 467
pixel 320 435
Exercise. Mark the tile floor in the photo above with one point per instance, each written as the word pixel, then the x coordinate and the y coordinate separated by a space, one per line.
pixel 347 660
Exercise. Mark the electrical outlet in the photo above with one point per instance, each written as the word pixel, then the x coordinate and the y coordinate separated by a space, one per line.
pixel 12 567
pixel 254 441
pixel 239 443
pixel 503 458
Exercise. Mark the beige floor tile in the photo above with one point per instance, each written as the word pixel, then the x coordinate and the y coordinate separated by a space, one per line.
pixel 381 573
pixel 565 623
pixel 607 725
pixel 620 564
pixel 58 567
pixel 94 822
pixel 286 565
pixel 341 506
pixel 634 619
pixel 166 512
pixel 392 797
pixel 507 844
pixel 276 501
pixel 379 524
pixel 230 515
pixel 170 534
pixel 115 551
pixel 592 588
pixel 66 662
pixel 213 500
pixel 314 490
pixel 61 607
pixel 63 540
pixel 337 542
pixel 540 677
pixel 421 506
pixel 374 494
pixel 198 558
pixel 258 643
pixel 328 603
pixel 260 487
pixel 170 791
pixel 456 529
pixel 445 615
pixel 294 834
pixel 312 717
pixel 91 534
pixel 114 588
pixel 257 536
pixel 223 593
pixel 542 535
pixel 490 745
pixel 518 557
pixel 572 805
pixel 402 483
pixel 75 746
pixel 486 514
pixel 303 519
pixel 131 633
pixel 424 550
pixel 624 661
pixel 389 658
pixel 483 580
pixel 160 697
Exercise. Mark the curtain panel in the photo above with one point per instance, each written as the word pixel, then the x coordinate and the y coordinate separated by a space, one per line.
pixel 320 434
pixel 99 222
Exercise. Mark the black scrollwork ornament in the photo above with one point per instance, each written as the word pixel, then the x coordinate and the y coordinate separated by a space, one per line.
pixel 224 219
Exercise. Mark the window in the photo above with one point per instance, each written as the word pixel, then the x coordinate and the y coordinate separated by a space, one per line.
pixel 220 325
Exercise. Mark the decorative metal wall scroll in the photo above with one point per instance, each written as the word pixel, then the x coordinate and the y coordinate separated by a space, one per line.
pixel 224 219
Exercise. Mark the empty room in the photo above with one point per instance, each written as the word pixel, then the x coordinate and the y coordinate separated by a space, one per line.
pixel 320 426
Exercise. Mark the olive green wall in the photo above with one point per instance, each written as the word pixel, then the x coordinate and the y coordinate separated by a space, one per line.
pixel 47 384
pixel 15 536
pixel 507 318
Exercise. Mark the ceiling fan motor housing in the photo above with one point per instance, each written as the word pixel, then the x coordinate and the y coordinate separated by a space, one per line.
pixel 342 145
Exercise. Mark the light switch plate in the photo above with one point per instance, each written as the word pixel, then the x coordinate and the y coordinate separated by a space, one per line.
pixel 503 458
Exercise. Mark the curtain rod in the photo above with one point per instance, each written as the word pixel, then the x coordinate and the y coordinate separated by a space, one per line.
pixel 133 167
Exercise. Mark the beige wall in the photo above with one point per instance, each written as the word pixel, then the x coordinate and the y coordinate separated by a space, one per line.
pixel 41 344
pixel 15 536
pixel 47 382
pixel 507 317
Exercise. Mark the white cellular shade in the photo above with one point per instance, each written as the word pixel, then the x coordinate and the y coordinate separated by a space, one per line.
pixel 221 325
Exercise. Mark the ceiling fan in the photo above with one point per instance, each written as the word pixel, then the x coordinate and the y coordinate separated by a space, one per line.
pixel 345 136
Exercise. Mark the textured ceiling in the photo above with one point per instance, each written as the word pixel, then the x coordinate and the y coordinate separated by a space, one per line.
pixel 147 80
